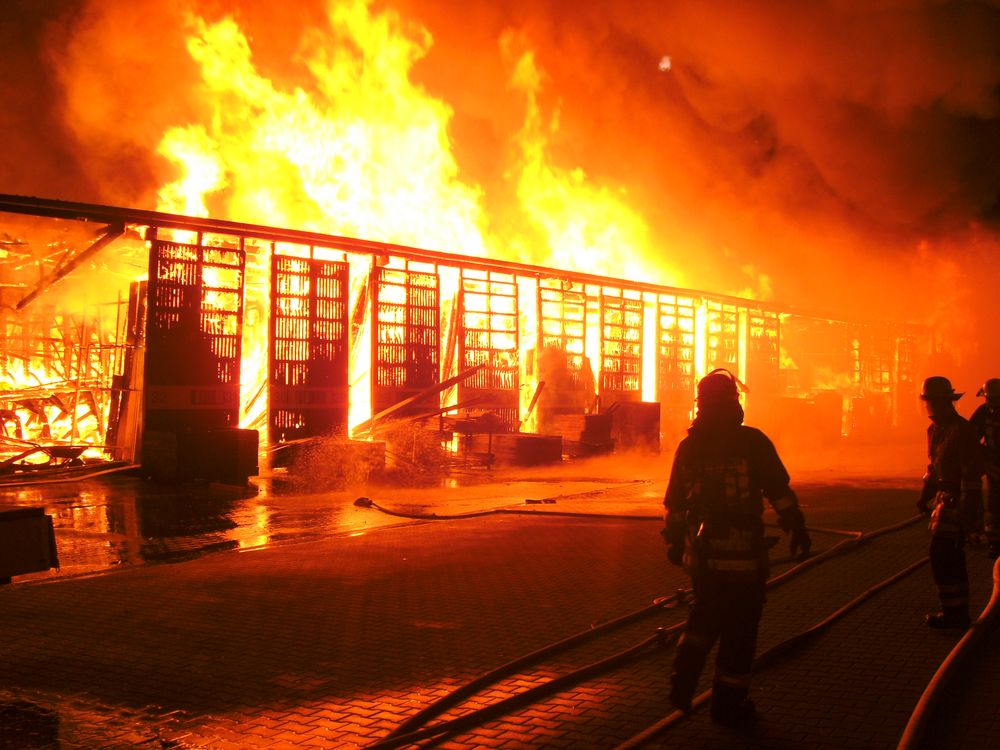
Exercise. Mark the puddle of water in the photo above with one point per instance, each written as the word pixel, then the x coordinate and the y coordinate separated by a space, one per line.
pixel 27 726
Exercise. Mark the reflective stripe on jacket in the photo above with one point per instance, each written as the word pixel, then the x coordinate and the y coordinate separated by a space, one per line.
pixel 954 476
pixel 714 501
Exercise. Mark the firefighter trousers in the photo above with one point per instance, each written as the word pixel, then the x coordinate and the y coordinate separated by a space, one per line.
pixel 992 521
pixel 950 574
pixel 727 607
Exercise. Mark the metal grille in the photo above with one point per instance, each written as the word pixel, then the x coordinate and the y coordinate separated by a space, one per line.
pixel 194 331
pixel 675 322
pixel 308 348
pixel 562 317
pixel 906 359
pixel 852 340
pixel 877 359
pixel 489 334
pixel 621 345
pixel 406 345
pixel 763 350
pixel 723 336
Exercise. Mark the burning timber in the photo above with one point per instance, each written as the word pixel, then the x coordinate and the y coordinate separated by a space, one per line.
pixel 199 347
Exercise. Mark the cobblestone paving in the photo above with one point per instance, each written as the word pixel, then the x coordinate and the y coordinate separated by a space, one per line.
pixel 123 522
pixel 332 643
pixel 968 716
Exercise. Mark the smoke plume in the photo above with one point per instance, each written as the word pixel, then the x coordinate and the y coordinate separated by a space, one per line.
pixel 839 156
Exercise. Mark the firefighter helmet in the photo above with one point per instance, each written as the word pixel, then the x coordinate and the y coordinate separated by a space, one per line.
pixel 990 389
pixel 938 388
pixel 719 385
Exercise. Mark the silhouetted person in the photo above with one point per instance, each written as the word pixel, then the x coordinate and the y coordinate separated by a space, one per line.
pixel 952 495
pixel 986 420
pixel 714 528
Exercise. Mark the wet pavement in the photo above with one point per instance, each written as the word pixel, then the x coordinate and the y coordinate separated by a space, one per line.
pixel 303 620
pixel 120 521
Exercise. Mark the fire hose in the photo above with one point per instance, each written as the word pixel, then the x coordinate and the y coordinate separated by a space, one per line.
pixel 804 637
pixel 773 654
pixel 916 728
pixel 365 502
pixel 407 733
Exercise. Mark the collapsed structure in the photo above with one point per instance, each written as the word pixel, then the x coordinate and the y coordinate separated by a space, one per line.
pixel 178 341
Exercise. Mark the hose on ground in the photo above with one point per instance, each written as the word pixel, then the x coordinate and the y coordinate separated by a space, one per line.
pixel 474 686
pixel 773 654
pixel 661 637
pixel 916 728
pixel 407 733
pixel 366 502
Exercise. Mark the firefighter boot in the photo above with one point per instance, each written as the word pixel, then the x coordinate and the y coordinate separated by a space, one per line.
pixel 682 686
pixel 731 707
pixel 949 617
pixel 688 663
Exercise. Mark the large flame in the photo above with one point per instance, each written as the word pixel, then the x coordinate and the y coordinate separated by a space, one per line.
pixel 585 226
pixel 365 152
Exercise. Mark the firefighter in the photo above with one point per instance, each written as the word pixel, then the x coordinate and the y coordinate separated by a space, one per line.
pixel 953 497
pixel 986 420
pixel 715 530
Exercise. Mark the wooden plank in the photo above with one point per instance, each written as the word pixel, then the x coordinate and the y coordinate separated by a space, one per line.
pixel 431 391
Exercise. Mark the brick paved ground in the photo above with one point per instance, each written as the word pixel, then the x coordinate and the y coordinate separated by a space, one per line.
pixel 332 642
pixel 123 521
pixel 968 717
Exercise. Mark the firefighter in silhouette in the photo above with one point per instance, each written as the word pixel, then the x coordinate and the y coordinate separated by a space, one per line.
pixel 714 528
pixel 986 420
pixel 953 497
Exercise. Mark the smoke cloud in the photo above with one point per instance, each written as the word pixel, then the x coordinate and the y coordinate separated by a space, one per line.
pixel 839 156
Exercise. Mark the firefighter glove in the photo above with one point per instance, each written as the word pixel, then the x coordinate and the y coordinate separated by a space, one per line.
pixel 675 546
pixel 800 543
pixel 791 518
pixel 927 494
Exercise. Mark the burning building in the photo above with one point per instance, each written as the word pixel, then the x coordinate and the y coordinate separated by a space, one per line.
pixel 204 335
pixel 577 176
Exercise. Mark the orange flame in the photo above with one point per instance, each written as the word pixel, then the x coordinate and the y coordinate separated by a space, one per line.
pixel 364 153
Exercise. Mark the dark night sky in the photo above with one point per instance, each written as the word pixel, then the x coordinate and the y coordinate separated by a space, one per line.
pixel 848 149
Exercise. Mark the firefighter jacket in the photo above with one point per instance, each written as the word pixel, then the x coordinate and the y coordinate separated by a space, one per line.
pixel 986 422
pixel 954 476
pixel 714 500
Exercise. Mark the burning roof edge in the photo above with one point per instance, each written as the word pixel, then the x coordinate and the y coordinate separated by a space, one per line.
pixel 75 211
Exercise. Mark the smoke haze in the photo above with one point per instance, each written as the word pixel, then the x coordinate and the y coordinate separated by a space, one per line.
pixel 841 156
